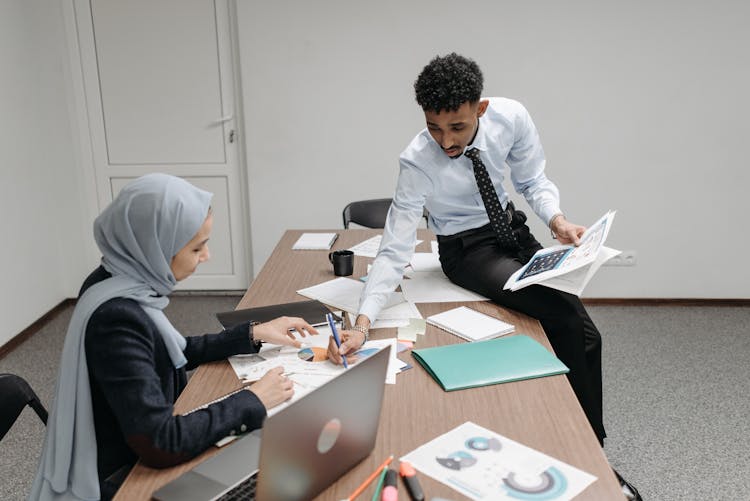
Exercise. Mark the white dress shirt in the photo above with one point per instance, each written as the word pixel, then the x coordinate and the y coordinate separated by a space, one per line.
pixel 447 188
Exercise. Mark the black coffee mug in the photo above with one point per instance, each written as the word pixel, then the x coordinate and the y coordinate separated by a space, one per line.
pixel 343 262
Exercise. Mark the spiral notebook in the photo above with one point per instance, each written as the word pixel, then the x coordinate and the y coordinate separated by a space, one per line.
pixel 470 324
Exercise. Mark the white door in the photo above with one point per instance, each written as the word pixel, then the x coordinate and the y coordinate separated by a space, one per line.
pixel 160 97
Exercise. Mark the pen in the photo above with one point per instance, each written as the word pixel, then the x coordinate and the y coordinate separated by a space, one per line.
pixel 390 491
pixel 335 332
pixel 409 476
pixel 369 479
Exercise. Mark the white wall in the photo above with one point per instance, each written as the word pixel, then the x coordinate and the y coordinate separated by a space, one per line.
pixel 642 107
pixel 40 194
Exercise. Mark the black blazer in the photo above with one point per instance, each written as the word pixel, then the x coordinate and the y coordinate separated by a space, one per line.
pixel 134 386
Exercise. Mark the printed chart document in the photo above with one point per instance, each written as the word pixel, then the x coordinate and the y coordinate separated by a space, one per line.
pixel 315 241
pixel 308 366
pixel 484 465
pixel 470 324
pixel 566 267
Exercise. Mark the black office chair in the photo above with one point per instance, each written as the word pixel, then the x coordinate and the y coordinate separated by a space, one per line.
pixel 15 394
pixel 369 213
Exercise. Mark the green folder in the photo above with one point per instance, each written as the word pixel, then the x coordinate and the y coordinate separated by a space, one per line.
pixel 482 363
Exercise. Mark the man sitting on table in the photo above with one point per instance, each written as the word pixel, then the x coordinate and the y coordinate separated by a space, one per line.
pixel 455 169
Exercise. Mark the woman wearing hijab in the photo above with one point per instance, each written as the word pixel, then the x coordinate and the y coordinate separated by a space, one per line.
pixel 123 363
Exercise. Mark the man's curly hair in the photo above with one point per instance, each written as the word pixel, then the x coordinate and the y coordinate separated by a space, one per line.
pixel 448 82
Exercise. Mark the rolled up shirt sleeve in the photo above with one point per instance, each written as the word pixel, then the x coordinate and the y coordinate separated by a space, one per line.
pixel 399 239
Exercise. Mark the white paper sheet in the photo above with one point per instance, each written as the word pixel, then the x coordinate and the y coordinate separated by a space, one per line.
pixel 342 293
pixel 370 247
pixel 367 248
pixel 425 261
pixel 434 287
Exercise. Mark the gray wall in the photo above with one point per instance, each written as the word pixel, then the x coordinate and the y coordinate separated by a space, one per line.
pixel 642 107
pixel 41 195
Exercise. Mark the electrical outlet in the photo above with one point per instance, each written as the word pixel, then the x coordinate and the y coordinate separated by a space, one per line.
pixel 625 258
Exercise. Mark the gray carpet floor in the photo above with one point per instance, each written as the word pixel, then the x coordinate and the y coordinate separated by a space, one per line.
pixel 676 395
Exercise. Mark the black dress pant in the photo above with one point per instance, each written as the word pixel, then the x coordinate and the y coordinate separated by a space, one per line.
pixel 474 260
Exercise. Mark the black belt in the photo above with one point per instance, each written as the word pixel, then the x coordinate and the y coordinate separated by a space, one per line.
pixel 515 218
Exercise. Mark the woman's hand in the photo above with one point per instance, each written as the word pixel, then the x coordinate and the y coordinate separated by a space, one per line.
pixel 277 331
pixel 273 388
pixel 351 341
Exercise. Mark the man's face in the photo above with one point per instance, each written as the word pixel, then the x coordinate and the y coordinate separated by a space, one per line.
pixel 454 130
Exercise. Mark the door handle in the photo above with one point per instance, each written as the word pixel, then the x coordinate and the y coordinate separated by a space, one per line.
pixel 224 119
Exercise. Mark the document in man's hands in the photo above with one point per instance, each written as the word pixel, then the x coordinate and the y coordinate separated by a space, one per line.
pixel 566 267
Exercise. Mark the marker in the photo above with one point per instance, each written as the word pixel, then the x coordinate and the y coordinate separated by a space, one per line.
pixel 409 476
pixel 390 491
pixel 369 479
pixel 335 332
pixel 379 487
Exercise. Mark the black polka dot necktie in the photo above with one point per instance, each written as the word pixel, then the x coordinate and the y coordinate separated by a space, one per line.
pixel 498 217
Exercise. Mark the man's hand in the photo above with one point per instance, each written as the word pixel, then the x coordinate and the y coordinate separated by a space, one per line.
pixel 351 341
pixel 277 331
pixel 273 388
pixel 565 231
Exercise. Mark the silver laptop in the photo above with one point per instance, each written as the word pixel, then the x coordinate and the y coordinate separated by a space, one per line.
pixel 302 449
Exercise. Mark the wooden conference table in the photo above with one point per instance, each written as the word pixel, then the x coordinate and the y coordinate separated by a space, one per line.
pixel 541 413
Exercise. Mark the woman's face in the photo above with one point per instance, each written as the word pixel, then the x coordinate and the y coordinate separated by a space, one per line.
pixel 185 262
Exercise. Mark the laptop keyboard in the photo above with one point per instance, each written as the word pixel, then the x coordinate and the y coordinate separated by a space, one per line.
pixel 245 491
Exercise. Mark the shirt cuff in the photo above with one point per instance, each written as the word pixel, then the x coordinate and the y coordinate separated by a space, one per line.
pixel 370 308
pixel 240 338
pixel 548 213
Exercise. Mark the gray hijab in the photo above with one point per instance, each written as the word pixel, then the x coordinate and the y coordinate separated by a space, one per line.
pixel 151 219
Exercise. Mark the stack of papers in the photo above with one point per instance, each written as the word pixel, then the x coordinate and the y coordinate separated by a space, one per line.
pixel 315 241
pixel 344 293
pixel 470 324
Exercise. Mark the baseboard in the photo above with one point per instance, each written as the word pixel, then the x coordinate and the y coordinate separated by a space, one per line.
pixel 603 301
pixel 635 301
pixel 188 292
pixel 29 331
